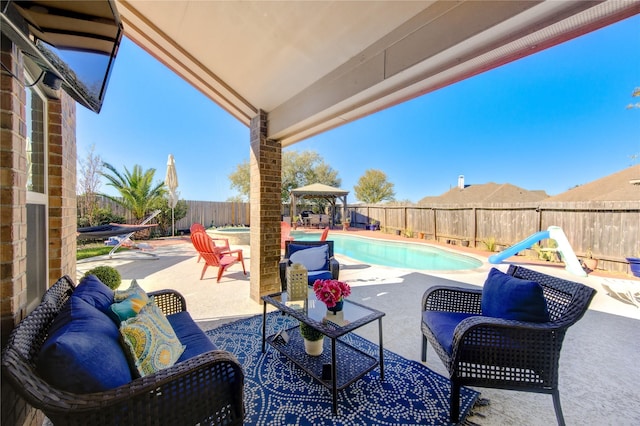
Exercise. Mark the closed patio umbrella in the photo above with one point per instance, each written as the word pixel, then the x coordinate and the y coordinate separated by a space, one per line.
pixel 171 180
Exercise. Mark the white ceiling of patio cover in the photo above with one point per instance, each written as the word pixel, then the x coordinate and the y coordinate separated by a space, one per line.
pixel 314 65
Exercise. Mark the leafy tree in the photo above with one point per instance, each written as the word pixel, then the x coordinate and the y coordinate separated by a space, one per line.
pixel 88 185
pixel 241 180
pixel 137 191
pixel 164 218
pixel 298 169
pixel 372 187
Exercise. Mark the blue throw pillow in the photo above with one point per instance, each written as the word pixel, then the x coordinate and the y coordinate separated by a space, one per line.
pixel 83 353
pixel 507 297
pixel 312 258
pixel 94 292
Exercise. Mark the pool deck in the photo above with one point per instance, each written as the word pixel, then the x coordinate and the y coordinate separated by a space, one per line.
pixel 599 374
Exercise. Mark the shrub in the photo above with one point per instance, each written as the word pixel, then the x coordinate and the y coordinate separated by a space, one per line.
pixel 108 275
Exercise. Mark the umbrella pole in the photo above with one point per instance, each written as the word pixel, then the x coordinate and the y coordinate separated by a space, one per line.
pixel 173 224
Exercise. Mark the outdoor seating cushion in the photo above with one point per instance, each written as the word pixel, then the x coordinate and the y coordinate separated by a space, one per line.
pixel 443 325
pixel 312 276
pixel 507 297
pixel 82 353
pixel 312 258
pixel 190 335
pixel 95 292
pixel 149 341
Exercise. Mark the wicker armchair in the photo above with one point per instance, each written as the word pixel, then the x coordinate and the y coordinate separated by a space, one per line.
pixel 333 270
pixel 506 354
pixel 205 389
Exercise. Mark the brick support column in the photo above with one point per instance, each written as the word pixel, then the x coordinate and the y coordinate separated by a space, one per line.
pixel 266 200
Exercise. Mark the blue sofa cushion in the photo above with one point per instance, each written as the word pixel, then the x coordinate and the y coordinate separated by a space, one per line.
pixel 312 276
pixel 507 297
pixel 190 335
pixel 312 258
pixel 82 353
pixel 443 324
pixel 95 292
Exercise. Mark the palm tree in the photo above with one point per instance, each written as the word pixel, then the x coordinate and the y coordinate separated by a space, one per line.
pixel 136 188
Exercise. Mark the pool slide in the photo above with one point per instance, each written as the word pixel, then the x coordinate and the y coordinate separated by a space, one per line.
pixel 564 248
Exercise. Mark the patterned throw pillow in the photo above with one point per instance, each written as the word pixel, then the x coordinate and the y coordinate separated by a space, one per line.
pixel 128 308
pixel 149 341
pixel 133 290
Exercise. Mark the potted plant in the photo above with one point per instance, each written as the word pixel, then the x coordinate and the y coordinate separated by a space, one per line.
pixel 589 262
pixel 634 265
pixel 313 340
pixel 373 225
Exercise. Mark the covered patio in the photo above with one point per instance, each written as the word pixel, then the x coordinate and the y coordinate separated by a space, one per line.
pixel 596 350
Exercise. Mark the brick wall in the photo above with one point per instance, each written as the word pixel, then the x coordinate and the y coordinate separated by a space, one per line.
pixel 61 176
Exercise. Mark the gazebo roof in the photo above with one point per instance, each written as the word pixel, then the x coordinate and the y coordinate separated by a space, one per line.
pixel 318 190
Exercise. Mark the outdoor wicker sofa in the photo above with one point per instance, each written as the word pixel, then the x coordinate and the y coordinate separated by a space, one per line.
pixel 486 351
pixel 205 388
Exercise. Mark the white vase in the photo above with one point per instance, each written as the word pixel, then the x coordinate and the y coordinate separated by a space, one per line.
pixel 314 347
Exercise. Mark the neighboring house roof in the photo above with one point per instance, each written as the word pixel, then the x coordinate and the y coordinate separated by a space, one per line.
pixel 621 186
pixel 486 193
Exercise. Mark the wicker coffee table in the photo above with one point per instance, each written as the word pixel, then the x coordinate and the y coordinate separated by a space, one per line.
pixel 340 363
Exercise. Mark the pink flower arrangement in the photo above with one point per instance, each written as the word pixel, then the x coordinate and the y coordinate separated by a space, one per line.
pixel 331 292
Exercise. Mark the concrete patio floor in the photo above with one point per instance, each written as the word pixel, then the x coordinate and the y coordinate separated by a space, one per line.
pixel 599 372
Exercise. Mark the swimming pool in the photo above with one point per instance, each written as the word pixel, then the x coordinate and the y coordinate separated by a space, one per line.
pixel 396 254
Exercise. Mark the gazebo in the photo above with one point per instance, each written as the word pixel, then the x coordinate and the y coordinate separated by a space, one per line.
pixel 319 190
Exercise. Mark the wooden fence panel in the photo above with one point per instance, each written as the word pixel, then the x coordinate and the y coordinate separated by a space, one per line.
pixel 611 230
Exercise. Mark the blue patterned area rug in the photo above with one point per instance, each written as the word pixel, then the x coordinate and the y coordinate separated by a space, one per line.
pixel 277 392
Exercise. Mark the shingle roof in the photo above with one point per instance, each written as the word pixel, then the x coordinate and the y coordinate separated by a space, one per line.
pixel 486 193
pixel 619 186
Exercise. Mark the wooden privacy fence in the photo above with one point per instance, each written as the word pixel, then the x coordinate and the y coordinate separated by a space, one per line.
pixel 611 230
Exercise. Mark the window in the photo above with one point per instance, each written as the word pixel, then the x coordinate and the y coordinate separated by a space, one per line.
pixel 37 237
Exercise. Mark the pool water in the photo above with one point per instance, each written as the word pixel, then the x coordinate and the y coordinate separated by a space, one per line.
pixel 396 254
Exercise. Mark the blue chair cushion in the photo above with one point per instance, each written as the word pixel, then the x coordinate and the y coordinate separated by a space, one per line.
pixel 443 324
pixel 312 258
pixel 83 353
pixel 507 297
pixel 95 292
pixel 190 335
pixel 312 276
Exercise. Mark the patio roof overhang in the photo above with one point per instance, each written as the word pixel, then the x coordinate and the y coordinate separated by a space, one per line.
pixel 313 66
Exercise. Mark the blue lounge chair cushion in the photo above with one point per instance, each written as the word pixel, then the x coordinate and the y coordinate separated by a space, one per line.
pixel 312 276
pixel 83 353
pixel 443 324
pixel 507 297
pixel 312 258
pixel 190 335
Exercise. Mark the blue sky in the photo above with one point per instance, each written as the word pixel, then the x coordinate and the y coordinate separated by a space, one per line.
pixel 548 122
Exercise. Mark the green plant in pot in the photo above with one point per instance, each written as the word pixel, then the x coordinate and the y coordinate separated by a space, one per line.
pixel 107 274
pixel 313 339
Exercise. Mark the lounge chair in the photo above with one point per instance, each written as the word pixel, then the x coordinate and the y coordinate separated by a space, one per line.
pixel 222 243
pixel 124 232
pixel 215 256
pixel 507 335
